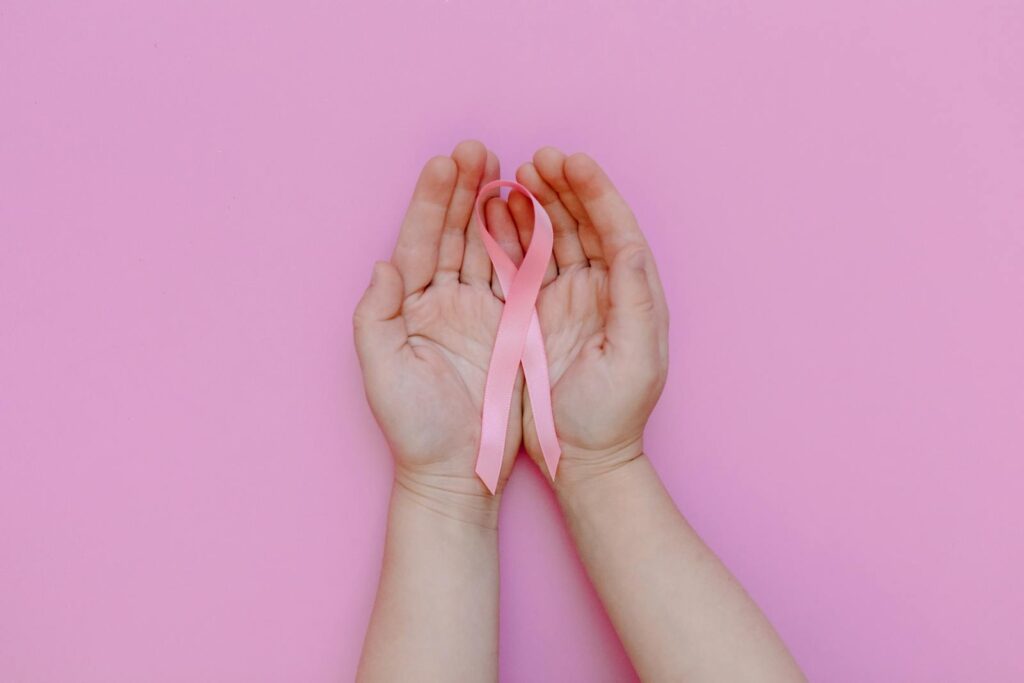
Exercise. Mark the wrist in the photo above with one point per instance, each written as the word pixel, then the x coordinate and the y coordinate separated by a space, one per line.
pixel 580 468
pixel 461 499
pixel 583 494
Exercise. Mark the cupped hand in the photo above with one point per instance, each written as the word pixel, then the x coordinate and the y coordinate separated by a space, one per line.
pixel 602 313
pixel 425 327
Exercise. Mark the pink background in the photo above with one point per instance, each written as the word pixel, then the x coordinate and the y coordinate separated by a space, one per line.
pixel 191 486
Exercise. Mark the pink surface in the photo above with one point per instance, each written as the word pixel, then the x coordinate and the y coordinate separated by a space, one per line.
pixel 191 198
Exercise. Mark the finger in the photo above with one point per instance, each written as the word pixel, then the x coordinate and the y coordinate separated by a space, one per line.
pixel 503 230
pixel 378 327
pixel 476 264
pixel 415 253
pixel 521 209
pixel 633 317
pixel 550 163
pixel 567 249
pixel 492 171
pixel 611 217
pixel 471 157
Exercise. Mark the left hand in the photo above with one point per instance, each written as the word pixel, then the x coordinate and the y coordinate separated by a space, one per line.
pixel 602 313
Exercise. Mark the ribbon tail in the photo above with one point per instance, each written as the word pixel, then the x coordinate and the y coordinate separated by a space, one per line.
pixel 535 368
pixel 500 383
pixel 488 469
pixel 494 424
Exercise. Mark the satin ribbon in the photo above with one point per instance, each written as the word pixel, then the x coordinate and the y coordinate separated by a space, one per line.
pixel 518 341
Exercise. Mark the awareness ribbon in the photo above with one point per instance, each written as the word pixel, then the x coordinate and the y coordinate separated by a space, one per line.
pixel 518 341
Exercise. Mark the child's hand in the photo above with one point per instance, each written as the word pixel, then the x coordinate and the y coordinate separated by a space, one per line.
pixel 424 332
pixel 602 313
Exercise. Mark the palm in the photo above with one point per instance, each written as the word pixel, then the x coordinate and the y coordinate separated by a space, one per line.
pixel 426 325
pixel 438 378
pixel 603 322
pixel 571 310
pixel 590 390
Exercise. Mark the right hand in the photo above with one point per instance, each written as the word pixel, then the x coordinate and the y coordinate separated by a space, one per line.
pixel 424 331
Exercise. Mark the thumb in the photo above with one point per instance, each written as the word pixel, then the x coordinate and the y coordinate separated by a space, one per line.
pixel 632 318
pixel 378 327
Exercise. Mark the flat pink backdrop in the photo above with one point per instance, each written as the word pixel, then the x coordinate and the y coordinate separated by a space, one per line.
pixel 191 197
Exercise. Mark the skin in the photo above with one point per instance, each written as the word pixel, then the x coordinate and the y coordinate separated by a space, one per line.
pixel 424 330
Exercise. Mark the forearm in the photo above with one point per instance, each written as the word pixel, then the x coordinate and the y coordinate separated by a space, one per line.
pixel 436 613
pixel 678 611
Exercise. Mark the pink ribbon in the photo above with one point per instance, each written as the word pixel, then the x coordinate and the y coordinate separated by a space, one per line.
pixel 518 341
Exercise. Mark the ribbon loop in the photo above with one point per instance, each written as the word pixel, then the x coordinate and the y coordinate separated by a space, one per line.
pixel 519 341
